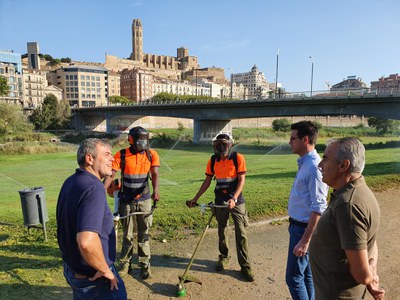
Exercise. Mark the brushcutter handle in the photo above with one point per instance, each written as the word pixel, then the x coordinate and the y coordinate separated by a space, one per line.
pixel 116 217
pixel 224 204
pixel 190 204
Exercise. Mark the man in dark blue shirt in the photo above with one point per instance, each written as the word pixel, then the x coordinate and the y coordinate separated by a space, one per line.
pixel 85 230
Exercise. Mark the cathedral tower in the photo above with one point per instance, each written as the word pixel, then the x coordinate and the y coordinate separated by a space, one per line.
pixel 137 40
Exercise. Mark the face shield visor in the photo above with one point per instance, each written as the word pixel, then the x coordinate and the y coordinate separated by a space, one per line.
pixel 222 146
pixel 142 142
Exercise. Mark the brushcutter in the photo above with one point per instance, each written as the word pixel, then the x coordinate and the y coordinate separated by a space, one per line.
pixel 181 290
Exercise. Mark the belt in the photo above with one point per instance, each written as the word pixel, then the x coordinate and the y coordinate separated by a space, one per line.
pixel 298 223
pixel 83 276
pixel 80 276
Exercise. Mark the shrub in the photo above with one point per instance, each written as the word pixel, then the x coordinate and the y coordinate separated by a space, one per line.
pixel 281 125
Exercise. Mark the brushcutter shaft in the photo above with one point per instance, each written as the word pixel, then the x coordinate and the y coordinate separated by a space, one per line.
pixel 117 217
pixel 184 276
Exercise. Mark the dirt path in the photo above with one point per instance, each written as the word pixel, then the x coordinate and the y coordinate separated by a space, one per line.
pixel 268 248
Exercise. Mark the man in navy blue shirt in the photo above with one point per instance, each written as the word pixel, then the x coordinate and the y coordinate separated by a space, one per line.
pixel 85 229
pixel 307 201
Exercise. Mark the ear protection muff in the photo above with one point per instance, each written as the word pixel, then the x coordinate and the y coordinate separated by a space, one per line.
pixel 131 140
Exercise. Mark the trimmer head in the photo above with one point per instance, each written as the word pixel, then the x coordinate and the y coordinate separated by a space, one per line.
pixel 181 291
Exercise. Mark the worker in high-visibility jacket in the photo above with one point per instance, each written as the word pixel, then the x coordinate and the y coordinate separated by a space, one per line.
pixel 137 163
pixel 229 169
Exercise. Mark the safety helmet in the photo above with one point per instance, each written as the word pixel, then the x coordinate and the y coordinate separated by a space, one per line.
pixel 222 144
pixel 138 137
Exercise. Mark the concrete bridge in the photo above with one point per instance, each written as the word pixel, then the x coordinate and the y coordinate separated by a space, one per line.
pixel 211 117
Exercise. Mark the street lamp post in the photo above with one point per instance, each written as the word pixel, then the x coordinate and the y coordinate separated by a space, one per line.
pixel 312 75
pixel 231 91
pixel 277 69
pixel 231 86
pixel 196 82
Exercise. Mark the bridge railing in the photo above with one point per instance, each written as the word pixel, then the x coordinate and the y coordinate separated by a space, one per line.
pixel 281 96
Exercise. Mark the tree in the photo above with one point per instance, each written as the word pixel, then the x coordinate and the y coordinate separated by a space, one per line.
pixel 65 59
pixel 119 99
pixel 164 97
pixel 168 97
pixel 4 88
pixel 281 124
pixel 52 114
pixel 181 127
pixel 383 126
pixel 12 121
pixel 47 57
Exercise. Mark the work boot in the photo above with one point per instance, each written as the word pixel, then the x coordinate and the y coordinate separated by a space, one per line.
pixel 247 273
pixel 222 263
pixel 145 270
pixel 124 268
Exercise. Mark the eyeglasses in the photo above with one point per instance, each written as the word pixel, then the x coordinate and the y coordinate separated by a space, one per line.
pixel 292 138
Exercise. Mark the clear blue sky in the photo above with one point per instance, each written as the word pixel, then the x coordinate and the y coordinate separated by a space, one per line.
pixel 344 37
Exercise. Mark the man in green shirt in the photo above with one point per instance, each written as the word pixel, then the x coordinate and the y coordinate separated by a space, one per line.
pixel 343 249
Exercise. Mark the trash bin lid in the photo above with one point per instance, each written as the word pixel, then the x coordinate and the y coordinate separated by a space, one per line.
pixel 30 190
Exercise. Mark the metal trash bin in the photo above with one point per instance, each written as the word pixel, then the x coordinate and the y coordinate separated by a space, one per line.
pixel 34 208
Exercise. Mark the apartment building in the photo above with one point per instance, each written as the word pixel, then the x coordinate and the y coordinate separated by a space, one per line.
pixel 254 82
pixel 11 69
pixel 114 84
pixel 180 88
pixel 350 84
pixel 136 84
pixel 82 85
pixel 390 84
pixel 34 83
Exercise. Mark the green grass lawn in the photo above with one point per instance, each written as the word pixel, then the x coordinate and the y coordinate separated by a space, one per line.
pixel 35 266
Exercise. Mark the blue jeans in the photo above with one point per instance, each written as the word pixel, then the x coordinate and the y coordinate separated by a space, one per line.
pixel 298 270
pixel 83 288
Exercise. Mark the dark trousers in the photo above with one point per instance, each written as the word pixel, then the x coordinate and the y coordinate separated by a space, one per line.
pixel 240 220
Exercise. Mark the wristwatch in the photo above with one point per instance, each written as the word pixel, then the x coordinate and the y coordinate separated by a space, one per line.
pixel 235 199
